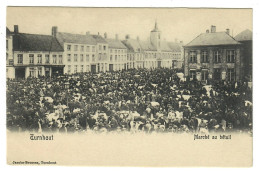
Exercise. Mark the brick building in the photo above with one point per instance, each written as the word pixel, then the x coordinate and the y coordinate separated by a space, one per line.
pixel 245 37
pixel 213 55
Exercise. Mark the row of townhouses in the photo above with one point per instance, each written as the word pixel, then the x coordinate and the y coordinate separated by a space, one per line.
pixel 33 55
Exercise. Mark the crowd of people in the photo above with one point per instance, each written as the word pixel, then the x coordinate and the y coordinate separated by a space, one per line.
pixel 137 100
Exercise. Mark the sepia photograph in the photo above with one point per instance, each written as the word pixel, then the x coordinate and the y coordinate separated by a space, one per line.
pixel 149 87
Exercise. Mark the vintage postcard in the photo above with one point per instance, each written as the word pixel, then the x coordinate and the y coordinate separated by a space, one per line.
pixel 145 87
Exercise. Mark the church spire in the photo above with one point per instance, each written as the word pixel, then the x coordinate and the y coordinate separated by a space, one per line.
pixel 155 27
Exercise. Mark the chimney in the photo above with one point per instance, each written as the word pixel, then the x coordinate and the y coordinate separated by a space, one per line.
pixel 127 36
pixel 213 29
pixel 181 42
pixel 227 31
pixel 137 38
pixel 116 36
pixel 98 33
pixel 16 29
pixel 54 31
pixel 207 31
pixel 88 32
pixel 105 35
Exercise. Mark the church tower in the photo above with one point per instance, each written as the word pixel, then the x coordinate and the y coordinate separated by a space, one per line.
pixel 155 37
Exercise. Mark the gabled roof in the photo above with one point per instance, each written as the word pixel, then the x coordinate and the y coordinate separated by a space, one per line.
pixel 116 44
pixel 35 42
pixel 212 39
pixel 99 39
pixel 75 38
pixel 244 36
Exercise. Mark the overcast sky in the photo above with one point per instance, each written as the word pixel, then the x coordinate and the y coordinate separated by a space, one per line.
pixel 183 24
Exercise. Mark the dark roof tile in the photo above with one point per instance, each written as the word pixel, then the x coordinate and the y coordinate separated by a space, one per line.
pixel 35 42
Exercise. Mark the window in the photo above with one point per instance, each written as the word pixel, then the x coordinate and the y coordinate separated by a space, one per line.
pixel 115 57
pixel 204 75
pixel 75 69
pixel 193 74
pixel 81 57
pixel 31 72
pixel 217 57
pixel 100 47
pixel 69 69
pixel 88 49
pixel 82 48
pixel 75 47
pixel 217 74
pixel 54 57
pixel 115 51
pixel 69 57
pixel 6 44
pixel 47 59
pixel 111 51
pixel 31 59
pixel 204 57
pixel 99 56
pixel 68 47
pixel 87 58
pixel 104 47
pixel 230 56
pixel 231 74
pixel 111 57
pixel 87 68
pixel 39 58
pixel 93 58
pixel 193 57
pixel 20 59
pixel 81 68
pixel 60 59
pixel 93 49
pixel 75 57
pixel 39 71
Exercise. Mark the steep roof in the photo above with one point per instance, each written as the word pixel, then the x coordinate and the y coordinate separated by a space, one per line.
pixel 8 32
pixel 212 39
pixel 147 46
pixel 75 38
pixel 35 42
pixel 99 39
pixel 117 44
pixel 132 45
pixel 244 36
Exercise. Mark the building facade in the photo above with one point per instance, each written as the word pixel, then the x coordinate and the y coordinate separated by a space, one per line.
pixel 213 56
pixel 35 55
pixel 246 39
pixel 10 70
pixel 117 54
pixel 153 53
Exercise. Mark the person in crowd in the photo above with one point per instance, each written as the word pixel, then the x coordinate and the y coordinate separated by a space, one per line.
pixel 136 100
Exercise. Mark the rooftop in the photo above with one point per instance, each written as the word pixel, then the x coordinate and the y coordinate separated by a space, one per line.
pixel 35 42
pixel 244 36
pixel 116 44
pixel 212 39
pixel 75 38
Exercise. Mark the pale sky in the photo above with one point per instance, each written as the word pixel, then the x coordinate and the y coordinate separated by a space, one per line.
pixel 181 23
